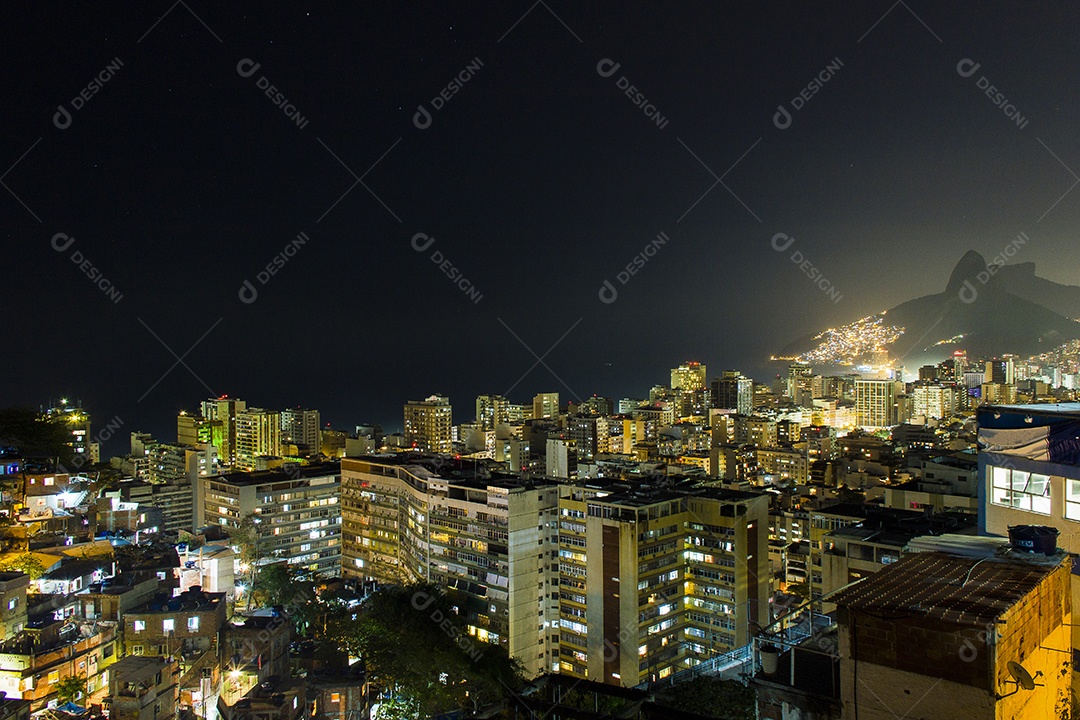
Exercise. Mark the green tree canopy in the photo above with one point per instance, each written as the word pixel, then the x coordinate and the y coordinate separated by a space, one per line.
pixel 25 563
pixel 419 652
pixel 71 688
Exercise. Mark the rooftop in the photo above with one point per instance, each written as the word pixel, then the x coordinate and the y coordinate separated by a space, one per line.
pixel 1072 408
pixel 188 601
pixel 887 526
pixel 294 472
pixel 137 668
pixel 950 588
pixel 78 568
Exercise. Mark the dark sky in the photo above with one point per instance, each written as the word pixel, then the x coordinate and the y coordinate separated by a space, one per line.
pixel 539 179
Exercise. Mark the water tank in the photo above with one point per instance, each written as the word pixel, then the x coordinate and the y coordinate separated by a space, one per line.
pixel 1033 539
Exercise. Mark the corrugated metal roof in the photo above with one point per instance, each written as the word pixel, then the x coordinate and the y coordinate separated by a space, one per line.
pixel 940 586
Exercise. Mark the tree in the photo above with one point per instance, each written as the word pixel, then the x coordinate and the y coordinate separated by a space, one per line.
pixel 417 649
pixel 802 589
pixel 35 434
pixel 25 563
pixel 71 688
pixel 712 697
pixel 289 587
pixel 246 538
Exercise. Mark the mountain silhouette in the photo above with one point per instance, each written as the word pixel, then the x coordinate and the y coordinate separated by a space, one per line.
pixel 998 309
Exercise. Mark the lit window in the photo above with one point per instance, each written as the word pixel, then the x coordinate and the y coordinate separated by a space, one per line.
pixel 335 697
pixel 193 624
pixel 140 625
pixel 168 625
pixel 1020 490
pixel 12 603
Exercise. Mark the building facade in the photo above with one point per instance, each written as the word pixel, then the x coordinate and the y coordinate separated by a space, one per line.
pixel 488 541
pixel 296 511
pixel 654 581
pixel 428 424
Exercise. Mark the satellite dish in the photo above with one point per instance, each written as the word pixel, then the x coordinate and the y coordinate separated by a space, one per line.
pixel 1021 676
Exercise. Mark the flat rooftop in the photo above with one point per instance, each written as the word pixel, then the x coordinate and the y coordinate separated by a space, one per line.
pixel 949 588
pixel 1072 408
pixel 295 472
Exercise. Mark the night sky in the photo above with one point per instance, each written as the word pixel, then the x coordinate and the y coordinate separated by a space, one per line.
pixel 539 179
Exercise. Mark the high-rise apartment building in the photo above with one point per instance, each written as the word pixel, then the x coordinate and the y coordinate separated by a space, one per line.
pixel 196 430
pixel 799 378
pixel 428 424
pixel 655 580
pixel 733 391
pixel 875 403
pixel 225 409
pixel 545 405
pixel 934 401
pixel 296 508
pixel 301 428
pixel 689 376
pixel 258 432
pixel 617 582
pixel 492 411
pixel 487 537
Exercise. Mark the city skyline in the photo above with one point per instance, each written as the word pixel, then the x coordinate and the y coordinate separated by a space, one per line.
pixel 433 201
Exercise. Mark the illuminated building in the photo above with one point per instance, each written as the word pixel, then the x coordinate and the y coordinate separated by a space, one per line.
pixel 934 401
pixel 1001 371
pixel 624 434
pixel 733 391
pixel 689 376
pixel 545 405
pixel 144 688
pixel 799 378
pixel 656 417
pixel 596 405
pixel 258 432
pixel 998 393
pixel 561 457
pixel 592 434
pixel 784 464
pixel 193 430
pixel 301 428
pixel 875 403
pixel 492 411
pixel 225 409
pixel 1029 474
pixel 826 387
pixel 257 645
pixel 753 430
pixel 959 631
pixel 655 580
pixel 298 517
pixel 685 550
pixel 12 604
pixel 428 424
pixel 186 625
pixel 32 664
pixel 487 540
